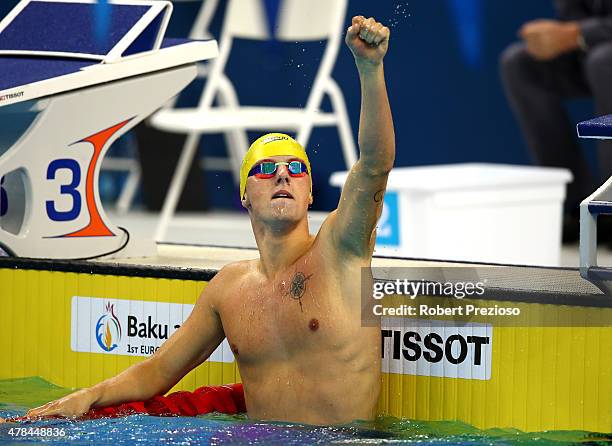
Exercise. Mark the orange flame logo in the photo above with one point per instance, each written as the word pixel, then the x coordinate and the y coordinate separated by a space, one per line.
pixel 108 329
pixel 108 338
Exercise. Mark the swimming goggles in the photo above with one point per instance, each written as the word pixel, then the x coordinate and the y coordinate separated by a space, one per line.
pixel 267 169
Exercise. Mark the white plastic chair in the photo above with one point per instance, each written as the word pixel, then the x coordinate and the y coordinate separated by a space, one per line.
pixel 299 21
pixel 131 165
pixel 200 29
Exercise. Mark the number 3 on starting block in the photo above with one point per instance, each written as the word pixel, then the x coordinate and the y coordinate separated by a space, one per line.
pixel 69 192
pixel 88 91
pixel 67 189
pixel 50 202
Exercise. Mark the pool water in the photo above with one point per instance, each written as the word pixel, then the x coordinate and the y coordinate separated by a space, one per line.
pixel 16 396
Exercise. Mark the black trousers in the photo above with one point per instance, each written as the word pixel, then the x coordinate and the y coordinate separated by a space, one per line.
pixel 536 91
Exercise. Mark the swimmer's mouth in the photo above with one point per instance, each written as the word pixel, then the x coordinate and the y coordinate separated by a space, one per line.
pixel 282 194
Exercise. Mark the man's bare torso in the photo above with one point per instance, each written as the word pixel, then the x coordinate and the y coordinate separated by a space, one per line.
pixel 297 337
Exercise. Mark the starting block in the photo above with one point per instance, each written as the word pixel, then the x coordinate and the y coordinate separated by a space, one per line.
pixel 86 89
pixel 598 203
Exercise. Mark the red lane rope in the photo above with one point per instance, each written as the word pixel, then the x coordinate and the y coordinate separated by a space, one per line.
pixel 227 399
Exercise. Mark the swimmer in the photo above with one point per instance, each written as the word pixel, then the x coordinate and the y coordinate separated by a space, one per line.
pixel 293 316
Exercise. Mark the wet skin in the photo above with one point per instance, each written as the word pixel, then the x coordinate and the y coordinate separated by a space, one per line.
pixel 302 352
pixel 293 316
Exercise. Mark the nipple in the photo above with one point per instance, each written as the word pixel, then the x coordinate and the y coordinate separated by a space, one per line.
pixel 313 325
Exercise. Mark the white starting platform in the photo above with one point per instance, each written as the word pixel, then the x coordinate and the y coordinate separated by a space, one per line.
pixel 473 212
pixel 598 203
pixel 87 89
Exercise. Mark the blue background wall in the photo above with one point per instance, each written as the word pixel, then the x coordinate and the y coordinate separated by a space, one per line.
pixel 442 74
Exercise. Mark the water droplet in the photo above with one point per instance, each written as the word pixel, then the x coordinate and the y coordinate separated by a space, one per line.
pixel 400 11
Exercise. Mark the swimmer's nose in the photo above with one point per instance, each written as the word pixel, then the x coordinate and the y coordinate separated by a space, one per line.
pixel 282 174
pixel 280 179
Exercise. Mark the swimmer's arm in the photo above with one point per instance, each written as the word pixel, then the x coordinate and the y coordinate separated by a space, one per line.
pixel 362 196
pixel 188 347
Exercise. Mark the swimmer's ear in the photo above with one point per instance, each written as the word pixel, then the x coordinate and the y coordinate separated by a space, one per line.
pixel 245 202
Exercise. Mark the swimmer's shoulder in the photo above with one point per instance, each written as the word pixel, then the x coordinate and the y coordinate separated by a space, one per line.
pixel 226 280
pixel 236 271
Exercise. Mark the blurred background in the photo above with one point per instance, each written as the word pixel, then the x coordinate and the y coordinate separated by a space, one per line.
pixel 442 74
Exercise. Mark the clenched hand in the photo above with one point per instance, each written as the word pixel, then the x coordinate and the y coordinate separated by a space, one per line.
pixel 368 40
pixel 547 39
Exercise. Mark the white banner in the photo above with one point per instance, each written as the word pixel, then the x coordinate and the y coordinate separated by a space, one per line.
pixel 129 327
pixel 437 348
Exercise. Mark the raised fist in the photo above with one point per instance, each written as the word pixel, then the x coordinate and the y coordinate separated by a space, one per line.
pixel 368 40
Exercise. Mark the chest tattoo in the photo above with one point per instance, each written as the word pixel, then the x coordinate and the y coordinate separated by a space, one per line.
pixel 297 287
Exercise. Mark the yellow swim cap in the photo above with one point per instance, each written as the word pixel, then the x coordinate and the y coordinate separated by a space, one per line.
pixel 272 144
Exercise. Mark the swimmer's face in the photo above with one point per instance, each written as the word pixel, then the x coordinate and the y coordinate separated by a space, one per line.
pixel 281 197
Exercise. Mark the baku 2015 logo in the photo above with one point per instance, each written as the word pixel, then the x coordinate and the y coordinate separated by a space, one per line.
pixel 108 329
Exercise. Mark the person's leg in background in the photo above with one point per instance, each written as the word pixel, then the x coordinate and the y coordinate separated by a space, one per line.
pixel 536 91
pixel 598 71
